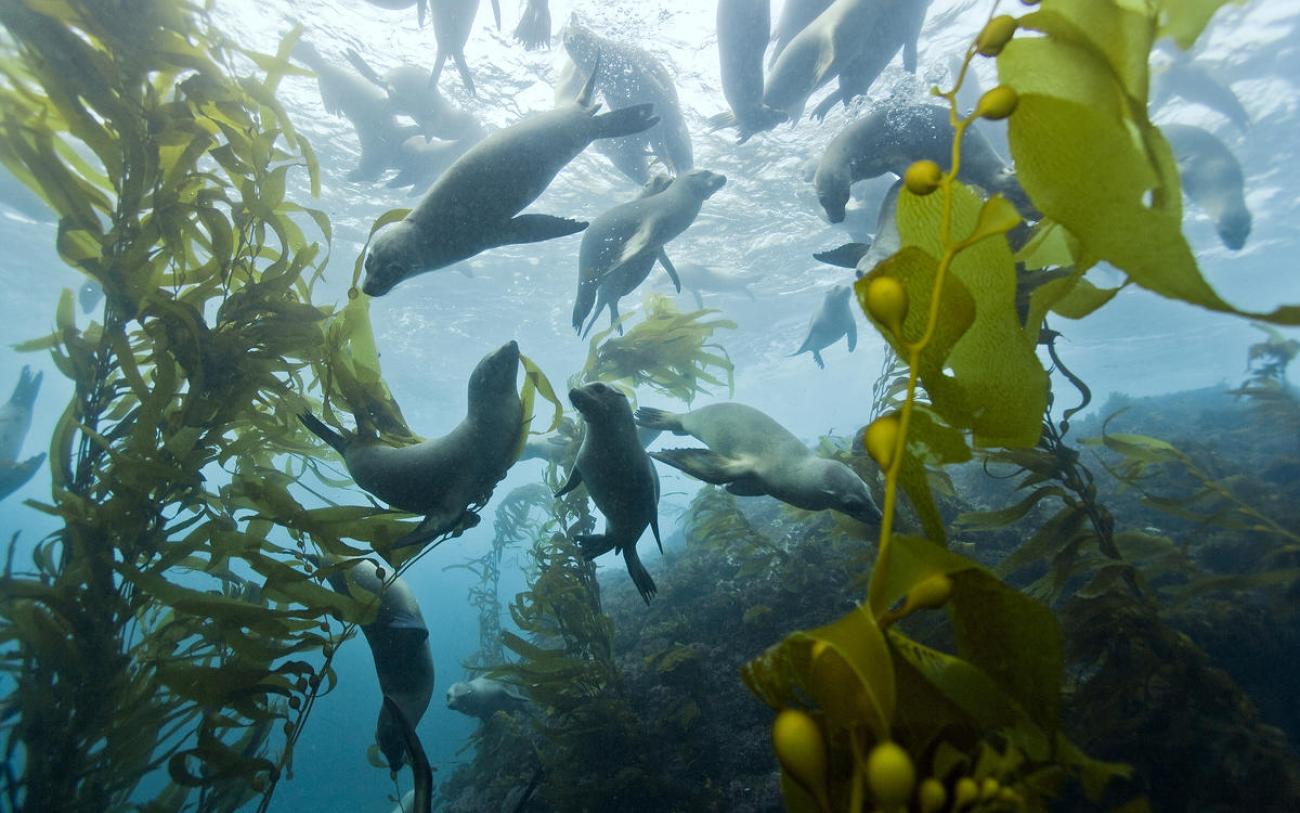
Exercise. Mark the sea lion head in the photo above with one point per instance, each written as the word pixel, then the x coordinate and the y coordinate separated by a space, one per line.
pixel 703 183
pixel 389 260
pixel 494 376
pixel 832 184
pixel 580 43
pixel 459 697
pixel 598 401
pixel 848 494
pixel 1234 227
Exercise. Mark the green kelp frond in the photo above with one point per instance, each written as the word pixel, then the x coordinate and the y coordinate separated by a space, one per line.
pixel 175 618
pixel 713 520
pixel 353 378
pixel 670 351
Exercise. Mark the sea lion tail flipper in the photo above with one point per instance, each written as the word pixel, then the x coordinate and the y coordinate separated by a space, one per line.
pixel 320 430
pixel 721 121
pixel 582 305
pixel 846 256
pixel 594 545
pixel 654 528
pixel 824 107
pixel 437 68
pixel 363 68
pixel 420 768
pixel 703 464
pixel 624 121
pixel 534 228
pixel 817 357
pixel 651 418
pixel 671 269
pixel 575 480
pixel 26 389
pixel 534 29
pixel 640 576
pixel 466 78
pixel 699 300
pixel 14 476
pixel 852 332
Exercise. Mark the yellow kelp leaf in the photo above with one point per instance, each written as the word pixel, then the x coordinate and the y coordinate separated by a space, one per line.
pixel 1051 245
pixel 998 387
pixel 1082 298
pixel 1184 20
pixel 912 560
pixel 962 683
pixel 1089 165
pixel 535 381
pixel 1117 36
pixel 844 667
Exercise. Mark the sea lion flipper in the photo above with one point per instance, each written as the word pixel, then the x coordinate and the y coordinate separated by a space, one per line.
pixel 640 576
pixel 651 418
pixel 575 480
pixel 817 357
pixel 852 332
pixel 423 10
pixel 624 121
pixel 745 487
pixel 671 269
pixel 496 12
pixel 320 430
pixel 420 768
pixel 594 545
pixel 704 464
pixel 846 256
pixel 14 476
pixel 363 68
pixel 533 228
pixel 654 527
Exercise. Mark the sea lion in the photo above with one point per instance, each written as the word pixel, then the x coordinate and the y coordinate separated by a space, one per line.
pixel 443 478
pixel 839 40
pixel 889 139
pixel 864 256
pixel 898 26
pixel 744 27
pixel 410 94
pixel 620 478
pixel 833 319
pixel 1212 179
pixel 420 162
pixel 632 76
pixel 795 16
pixel 15 422
pixel 483 697
pixel 699 278
pixel 365 106
pixel 534 29
pixel 628 154
pixel 751 454
pixel 399 644
pixel 475 205
pixel 453 20
pixel 1185 79
pixel 621 246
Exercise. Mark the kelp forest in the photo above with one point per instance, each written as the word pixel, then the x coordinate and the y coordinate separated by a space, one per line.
pixel 1039 622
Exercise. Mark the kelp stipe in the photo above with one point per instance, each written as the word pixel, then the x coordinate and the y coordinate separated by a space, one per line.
pixel 984 723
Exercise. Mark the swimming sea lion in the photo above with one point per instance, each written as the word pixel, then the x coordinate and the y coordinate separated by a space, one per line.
pixel 621 246
pixel 889 139
pixel 1184 78
pixel 698 278
pixel 410 94
pixel 474 206
pixel 838 40
pixel 559 447
pixel 632 76
pixel 744 27
pixel 752 455
pixel 833 319
pixel 399 644
pixel 483 697
pixel 534 29
pixel 898 26
pixel 628 154
pixel 1212 179
pixel 443 478
pixel 365 106
pixel 795 16
pixel 866 255
pixel 620 478
pixel 15 421
pixel 453 20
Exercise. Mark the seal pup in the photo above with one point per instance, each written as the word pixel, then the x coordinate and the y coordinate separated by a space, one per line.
pixel 15 422
pixel 620 478
pixel 364 105
pixel 700 278
pixel 482 697
pixel 1212 179
pixel 534 29
pixel 889 139
pixel 409 94
pixel 399 644
pixel 833 320
pixel 632 76
pixel 837 41
pixel 744 27
pixel 475 204
pixel 751 455
pixel 795 16
pixel 443 478
pixel 453 20
pixel 897 27
pixel 621 246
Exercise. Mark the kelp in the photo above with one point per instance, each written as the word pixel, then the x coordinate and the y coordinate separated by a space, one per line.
pixel 965 318
pixel 668 351
pixel 174 620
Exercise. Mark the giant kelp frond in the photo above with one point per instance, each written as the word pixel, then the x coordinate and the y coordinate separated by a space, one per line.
pixel 669 351
pixel 173 620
